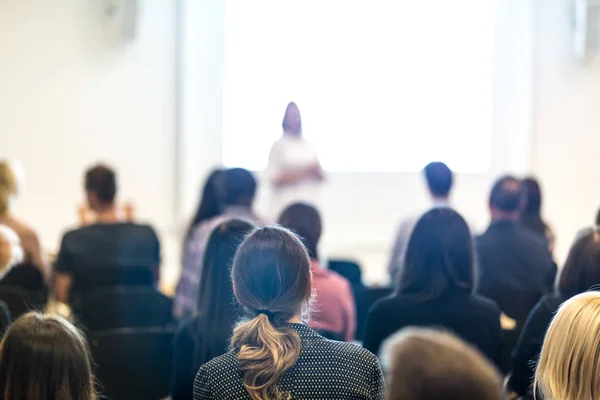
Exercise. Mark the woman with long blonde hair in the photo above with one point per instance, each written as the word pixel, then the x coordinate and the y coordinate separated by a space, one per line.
pixel 569 365
pixel 274 355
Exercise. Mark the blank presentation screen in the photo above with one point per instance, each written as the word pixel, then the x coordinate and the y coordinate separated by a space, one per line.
pixel 381 85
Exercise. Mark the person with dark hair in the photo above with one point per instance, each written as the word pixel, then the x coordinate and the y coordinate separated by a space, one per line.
pixel 238 189
pixel 294 168
pixel 274 355
pixel 531 211
pixel 515 266
pixel 580 273
pixel 45 357
pixel 435 288
pixel 109 242
pixel 334 312
pixel 206 335
pixel 431 365
pixel 210 201
pixel 439 179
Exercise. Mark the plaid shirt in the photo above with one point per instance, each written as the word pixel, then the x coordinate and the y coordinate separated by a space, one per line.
pixel 186 297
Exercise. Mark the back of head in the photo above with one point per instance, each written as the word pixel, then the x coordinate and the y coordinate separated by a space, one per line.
pixel 569 364
pixel 8 186
pixel 439 179
pixel 101 181
pixel 45 357
pixel 210 199
pixel 581 271
pixel 239 187
pixel 505 196
pixel 431 365
pixel 11 252
pixel 271 275
pixel 439 257
pixel 531 196
pixel 304 220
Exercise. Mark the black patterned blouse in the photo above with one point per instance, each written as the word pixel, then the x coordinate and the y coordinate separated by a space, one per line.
pixel 325 370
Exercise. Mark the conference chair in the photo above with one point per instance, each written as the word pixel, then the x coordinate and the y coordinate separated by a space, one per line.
pixel 365 298
pixel 348 269
pixel 20 301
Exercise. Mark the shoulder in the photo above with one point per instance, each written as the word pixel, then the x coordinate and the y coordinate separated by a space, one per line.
pixel 219 365
pixel 348 352
pixel 485 304
pixel 388 305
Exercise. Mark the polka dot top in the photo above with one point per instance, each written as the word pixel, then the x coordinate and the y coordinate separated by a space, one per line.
pixel 325 370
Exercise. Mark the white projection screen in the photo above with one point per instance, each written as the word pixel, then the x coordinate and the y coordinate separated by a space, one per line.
pixel 381 85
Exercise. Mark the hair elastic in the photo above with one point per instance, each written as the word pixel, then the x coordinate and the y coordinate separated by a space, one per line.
pixel 268 313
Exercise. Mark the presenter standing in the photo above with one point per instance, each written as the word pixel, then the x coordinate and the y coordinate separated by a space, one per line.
pixel 294 168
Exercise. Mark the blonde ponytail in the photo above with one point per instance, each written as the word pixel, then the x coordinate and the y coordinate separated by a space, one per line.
pixel 265 354
pixel 8 186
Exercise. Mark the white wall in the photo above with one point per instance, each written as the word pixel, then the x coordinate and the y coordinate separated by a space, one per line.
pixel 71 94
pixel 567 123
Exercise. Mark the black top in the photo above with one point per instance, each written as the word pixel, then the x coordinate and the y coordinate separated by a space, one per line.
pixel 5 319
pixel 515 267
pixel 325 370
pixel 530 343
pixel 473 318
pixel 121 245
pixel 197 341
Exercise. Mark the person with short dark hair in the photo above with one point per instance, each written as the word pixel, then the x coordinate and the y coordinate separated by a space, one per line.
pixel 435 288
pixel 431 365
pixel 531 211
pixel 238 191
pixel 45 357
pixel 580 273
pixel 108 243
pixel 334 309
pixel 439 179
pixel 515 266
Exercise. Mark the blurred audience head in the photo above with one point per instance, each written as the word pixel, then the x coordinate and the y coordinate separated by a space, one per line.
pixel 569 363
pixel 101 187
pixel 304 220
pixel 505 198
pixel 531 197
pixel 597 221
pixel 272 281
pixel 239 187
pixel 8 186
pixel 439 257
pixel 11 252
pixel 292 122
pixel 45 357
pixel 439 179
pixel 431 365
pixel 582 269
pixel 210 199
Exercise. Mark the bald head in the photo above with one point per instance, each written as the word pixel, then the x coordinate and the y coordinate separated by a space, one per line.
pixel 11 252
pixel 505 198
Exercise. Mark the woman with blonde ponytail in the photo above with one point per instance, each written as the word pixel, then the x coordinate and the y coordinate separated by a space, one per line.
pixel 273 354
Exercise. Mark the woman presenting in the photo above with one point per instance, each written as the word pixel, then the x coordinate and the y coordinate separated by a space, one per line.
pixel 294 168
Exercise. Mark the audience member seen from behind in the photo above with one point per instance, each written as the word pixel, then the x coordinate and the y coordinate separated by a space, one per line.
pixel 239 189
pixel 439 180
pixel 334 313
pixel 580 273
pixel 11 254
pixel 568 366
pixel 435 288
pixel 531 213
pixel 515 267
pixel 431 365
pixel 276 356
pixel 106 244
pixel 207 334
pixel 45 357
pixel 9 185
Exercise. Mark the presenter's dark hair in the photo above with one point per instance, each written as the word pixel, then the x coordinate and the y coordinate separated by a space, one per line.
pixel 285 124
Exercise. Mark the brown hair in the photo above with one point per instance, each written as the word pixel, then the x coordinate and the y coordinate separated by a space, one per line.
pixel 8 185
pixel 304 220
pixel 582 268
pixel 272 281
pixel 432 365
pixel 45 357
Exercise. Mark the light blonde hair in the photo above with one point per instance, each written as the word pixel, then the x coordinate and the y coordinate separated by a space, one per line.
pixel 569 366
pixel 431 365
pixel 8 185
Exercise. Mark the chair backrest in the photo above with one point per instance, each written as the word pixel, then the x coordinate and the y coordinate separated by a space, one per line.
pixel 94 278
pixel 365 298
pixel 123 307
pixel 348 269
pixel 25 276
pixel 20 301
pixel 133 364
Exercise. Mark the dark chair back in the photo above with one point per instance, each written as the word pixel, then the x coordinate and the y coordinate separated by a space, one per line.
pixel 25 276
pixel 348 269
pixel 365 298
pixel 20 301
pixel 331 335
pixel 123 307
pixel 86 280
pixel 133 364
